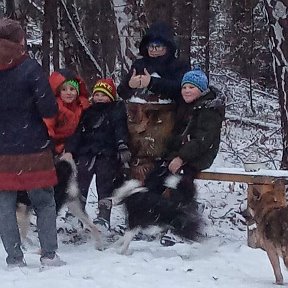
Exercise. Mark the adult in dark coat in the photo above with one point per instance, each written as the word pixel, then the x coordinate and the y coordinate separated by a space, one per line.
pixel 152 87
pixel 26 161
pixel 194 142
pixel 159 74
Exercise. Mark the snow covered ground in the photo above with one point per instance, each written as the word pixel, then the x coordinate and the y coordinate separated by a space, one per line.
pixel 215 262
pixel 220 259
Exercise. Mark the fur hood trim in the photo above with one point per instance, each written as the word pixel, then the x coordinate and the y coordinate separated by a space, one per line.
pixel 158 31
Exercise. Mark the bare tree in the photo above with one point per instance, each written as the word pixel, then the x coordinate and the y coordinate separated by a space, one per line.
pixel 46 38
pixel 159 10
pixel 50 27
pixel 200 40
pixel 55 33
pixel 183 27
pixel 131 22
pixel 10 9
pixel 277 15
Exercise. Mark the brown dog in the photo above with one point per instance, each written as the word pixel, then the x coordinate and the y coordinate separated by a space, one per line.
pixel 271 215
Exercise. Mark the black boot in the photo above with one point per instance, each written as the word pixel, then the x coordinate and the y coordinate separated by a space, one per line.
pixel 103 219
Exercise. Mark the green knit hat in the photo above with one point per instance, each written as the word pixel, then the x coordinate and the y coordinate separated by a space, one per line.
pixel 73 83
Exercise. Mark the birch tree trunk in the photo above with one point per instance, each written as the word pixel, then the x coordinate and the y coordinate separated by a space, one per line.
pixel 278 21
pixel 131 22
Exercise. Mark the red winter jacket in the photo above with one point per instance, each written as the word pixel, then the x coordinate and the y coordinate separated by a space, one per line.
pixel 64 124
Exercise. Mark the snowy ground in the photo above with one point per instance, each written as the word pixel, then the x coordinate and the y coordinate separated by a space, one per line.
pixel 221 259
pixel 215 262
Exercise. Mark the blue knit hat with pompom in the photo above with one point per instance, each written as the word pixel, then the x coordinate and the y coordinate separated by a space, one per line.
pixel 197 78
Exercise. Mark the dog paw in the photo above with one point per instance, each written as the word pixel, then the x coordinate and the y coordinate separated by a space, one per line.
pixel 125 252
pixel 279 281
pixel 100 246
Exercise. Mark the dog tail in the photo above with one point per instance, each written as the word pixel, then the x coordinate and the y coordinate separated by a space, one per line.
pixel 73 188
pixel 67 178
pixel 129 188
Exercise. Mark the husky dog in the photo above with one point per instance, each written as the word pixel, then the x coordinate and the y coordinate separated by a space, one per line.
pixel 271 216
pixel 146 208
pixel 66 192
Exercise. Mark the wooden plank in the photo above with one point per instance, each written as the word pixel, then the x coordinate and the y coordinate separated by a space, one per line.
pixel 243 178
pixel 261 172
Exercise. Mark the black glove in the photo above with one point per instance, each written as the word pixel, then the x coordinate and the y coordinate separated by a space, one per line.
pixel 124 155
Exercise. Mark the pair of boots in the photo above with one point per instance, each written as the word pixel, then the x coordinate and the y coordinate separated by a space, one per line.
pixel 50 259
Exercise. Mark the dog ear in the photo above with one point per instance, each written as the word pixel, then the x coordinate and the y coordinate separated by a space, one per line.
pixel 256 193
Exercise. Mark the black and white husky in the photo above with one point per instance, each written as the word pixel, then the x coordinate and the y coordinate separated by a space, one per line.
pixel 147 207
pixel 66 192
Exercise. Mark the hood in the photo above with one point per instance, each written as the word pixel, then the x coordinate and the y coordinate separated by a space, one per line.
pixel 11 54
pixel 158 31
pixel 58 77
pixel 212 98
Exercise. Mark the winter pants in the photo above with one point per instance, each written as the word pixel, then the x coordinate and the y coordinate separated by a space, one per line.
pixel 44 206
pixel 106 170
pixel 108 177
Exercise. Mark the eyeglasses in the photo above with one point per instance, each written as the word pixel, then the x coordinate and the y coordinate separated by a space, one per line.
pixel 156 46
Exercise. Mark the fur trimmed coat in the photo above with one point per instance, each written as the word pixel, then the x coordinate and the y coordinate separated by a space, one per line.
pixel 167 70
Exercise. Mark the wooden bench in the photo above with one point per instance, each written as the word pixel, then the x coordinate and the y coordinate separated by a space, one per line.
pixel 263 180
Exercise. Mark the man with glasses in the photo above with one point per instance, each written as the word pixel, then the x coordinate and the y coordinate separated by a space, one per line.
pixel 156 48
pixel 152 89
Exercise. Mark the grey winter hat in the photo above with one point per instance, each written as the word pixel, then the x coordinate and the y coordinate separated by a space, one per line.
pixel 11 30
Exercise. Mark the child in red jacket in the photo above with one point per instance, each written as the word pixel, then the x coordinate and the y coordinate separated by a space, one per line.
pixel 72 100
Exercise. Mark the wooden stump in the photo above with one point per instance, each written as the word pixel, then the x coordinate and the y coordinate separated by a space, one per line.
pixel 149 126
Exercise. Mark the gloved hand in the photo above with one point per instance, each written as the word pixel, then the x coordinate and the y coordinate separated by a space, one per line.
pixel 124 155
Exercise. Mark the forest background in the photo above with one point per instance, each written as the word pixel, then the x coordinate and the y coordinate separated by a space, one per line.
pixel 241 44
pixel 243 47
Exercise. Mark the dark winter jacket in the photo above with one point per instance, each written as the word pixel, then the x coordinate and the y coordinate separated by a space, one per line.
pixel 196 136
pixel 26 98
pixel 102 127
pixel 168 67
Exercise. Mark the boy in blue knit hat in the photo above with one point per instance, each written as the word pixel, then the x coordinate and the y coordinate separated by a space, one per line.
pixel 198 124
pixel 194 142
